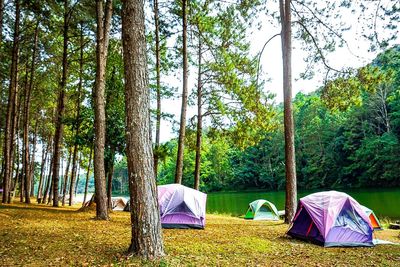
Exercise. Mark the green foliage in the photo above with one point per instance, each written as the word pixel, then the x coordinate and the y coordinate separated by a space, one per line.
pixel 353 146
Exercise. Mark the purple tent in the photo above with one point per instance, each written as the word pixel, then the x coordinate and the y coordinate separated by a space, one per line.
pixel 331 219
pixel 181 207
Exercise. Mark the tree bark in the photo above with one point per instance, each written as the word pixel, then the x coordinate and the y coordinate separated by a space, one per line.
pixel 87 177
pixel 32 163
pixel 49 181
pixel 290 163
pixel 199 123
pixel 146 239
pixel 44 159
pixel 110 172
pixel 27 104
pixel 158 88
pixel 182 128
pixel 77 174
pixel 77 125
pixel 11 110
pixel 1 20
pixel 102 37
pixel 58 136
pixel 66 180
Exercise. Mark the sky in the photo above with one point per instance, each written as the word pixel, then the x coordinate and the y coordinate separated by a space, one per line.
pixel 354 56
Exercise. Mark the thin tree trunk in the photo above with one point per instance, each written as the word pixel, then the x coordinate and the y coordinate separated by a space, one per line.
pixel 1 56
pixel 27 103
pixel 77 125
pixel 146 239
pixel 1 20
pixel 158 86
pixel 102 36
pixel 49 181
pixel 32 163
pixel 17 175
pixel 182 128
pixel 58 136
pixel 199 123
pixel 78 174
pixel 44 159
pixel 110 172
pixel 73 175
pixel 290 163
pixel 11 110
pixel 87 176
pixel 66 179
pixel 51 192
pixel 16 143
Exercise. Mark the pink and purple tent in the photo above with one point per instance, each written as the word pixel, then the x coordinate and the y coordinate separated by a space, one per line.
pixel 181 207
pixel 331 219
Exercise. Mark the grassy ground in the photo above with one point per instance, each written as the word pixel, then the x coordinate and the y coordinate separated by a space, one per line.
pixel 38 235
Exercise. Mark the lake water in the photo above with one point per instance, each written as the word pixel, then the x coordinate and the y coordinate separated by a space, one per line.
pixel 384 202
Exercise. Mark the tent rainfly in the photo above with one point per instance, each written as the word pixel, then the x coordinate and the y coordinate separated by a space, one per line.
pixel 332 219
pixel 262 210
pixel 118 203
pixel 181 207
pixel 372 218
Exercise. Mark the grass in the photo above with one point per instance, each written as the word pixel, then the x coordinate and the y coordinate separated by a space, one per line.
pixel 38 235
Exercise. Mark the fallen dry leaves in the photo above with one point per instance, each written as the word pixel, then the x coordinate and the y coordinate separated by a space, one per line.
pixel 38 235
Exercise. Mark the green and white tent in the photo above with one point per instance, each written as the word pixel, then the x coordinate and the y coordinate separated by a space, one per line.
pixel 262 209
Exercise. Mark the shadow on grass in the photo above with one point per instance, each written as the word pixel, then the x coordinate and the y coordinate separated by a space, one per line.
pixel 36 208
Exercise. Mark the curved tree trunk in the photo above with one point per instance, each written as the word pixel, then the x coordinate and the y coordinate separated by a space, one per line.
pixel 146 239
pixel 290 163
pixel 102 36
pixel 182 128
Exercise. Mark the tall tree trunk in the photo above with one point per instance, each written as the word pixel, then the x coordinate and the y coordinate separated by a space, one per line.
pixel 27 104
pixel 87 177
pixel 1 56
pixel 49 181
pixel 1 20
pixel 11 110
pixel 199 122
pixel 290 163
pixel 110 172
pixel 78 174
pixel 58 136
pixel 44 159
pixel 158 86
pixel 66 179
pixel 16 153
pixel 32 163
pixel 182 128
pixel 102 36
pixel 77 124
pixel 17 176
pixel 145 217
